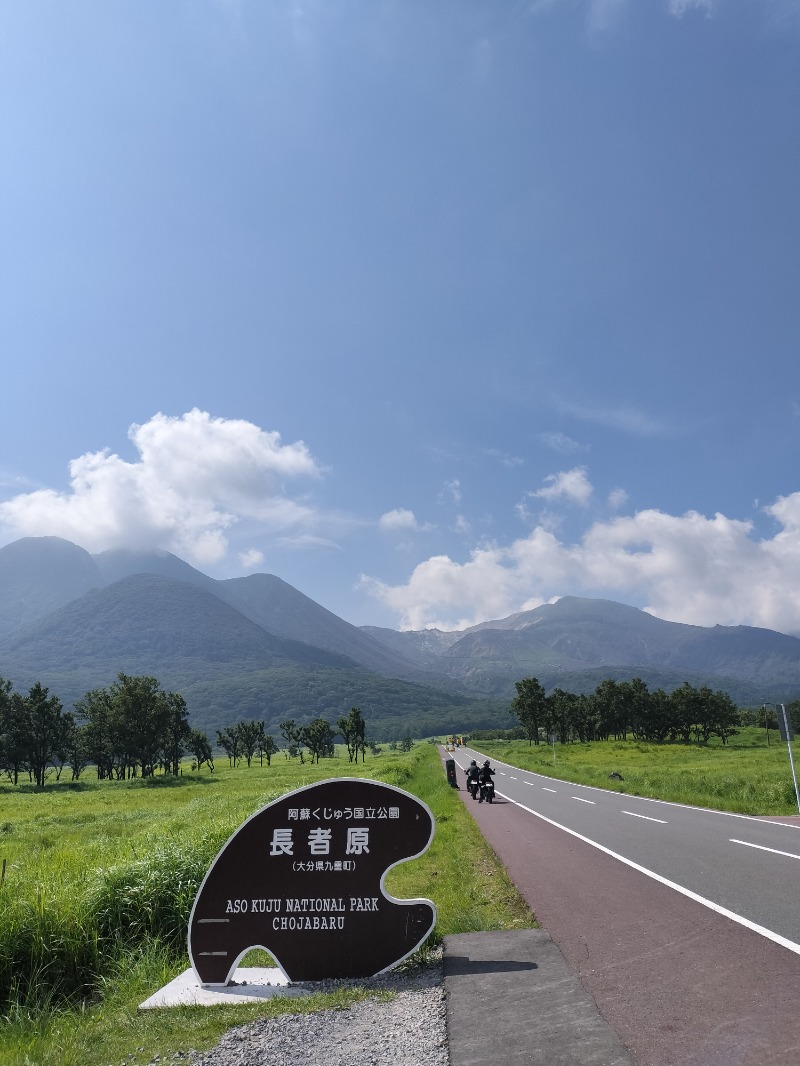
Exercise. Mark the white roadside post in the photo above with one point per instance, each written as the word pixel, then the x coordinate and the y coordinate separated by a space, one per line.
pixel 785 730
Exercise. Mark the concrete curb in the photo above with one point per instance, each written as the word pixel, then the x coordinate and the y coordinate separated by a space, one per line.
pixel 513 998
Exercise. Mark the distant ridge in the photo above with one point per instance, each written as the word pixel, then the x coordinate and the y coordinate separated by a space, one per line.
pixel 257 647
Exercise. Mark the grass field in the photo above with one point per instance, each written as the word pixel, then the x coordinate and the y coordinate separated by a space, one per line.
pixel 100 878
pixel 745 775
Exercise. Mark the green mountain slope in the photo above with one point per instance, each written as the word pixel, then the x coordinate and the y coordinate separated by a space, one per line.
pixel 226 666
pixel 40 574
pixel 279 608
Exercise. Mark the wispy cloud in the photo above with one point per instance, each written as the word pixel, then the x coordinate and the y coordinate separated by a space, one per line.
pixel 509 461
pixel 678 8
pixel 626 419
pixel 450 492
pixel 602 14
pixel 560 442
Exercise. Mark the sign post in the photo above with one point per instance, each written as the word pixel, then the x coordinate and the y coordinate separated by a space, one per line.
pixel 303 878
pixel 787 734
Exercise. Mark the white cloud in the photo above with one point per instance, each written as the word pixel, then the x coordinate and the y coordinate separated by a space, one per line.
pixel 251 559
pixel 690 568
pixel 567 484
pixel 195 477
pixel 400 518
pixel 617 498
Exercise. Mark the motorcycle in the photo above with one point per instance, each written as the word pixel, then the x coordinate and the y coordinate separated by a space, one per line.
pixel 472 787
pixel 487 791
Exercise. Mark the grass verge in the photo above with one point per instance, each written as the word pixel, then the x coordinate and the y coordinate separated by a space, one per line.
pixel 120 901
pixel 745 776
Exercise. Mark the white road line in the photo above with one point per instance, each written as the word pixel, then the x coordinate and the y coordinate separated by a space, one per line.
pixel 531 784
pixel 646 818
pixel 546 789
pixel 747 844
pixel 580 800
pixel 512 779
pixel 760 929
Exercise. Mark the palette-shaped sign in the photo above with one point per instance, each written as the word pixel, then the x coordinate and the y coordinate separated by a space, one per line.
pixel 303 878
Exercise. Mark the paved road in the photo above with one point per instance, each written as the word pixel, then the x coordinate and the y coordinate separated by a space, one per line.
pixel 682 923
pixel 748 868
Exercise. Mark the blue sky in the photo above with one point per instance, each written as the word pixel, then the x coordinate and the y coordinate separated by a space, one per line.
pixel 436 309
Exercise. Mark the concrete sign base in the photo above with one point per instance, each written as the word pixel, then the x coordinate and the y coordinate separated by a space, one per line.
pixel 249 983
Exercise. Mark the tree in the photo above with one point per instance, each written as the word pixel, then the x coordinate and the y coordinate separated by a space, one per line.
pixel 44 729
pixel 685 711
pixel 101 734
pixel 146 712
pixel 318 738
pixel 559 709
pixel 229 740
pixel 725 716
pixel 200 749
pixel 76 752
pixel 293 736
pixel 352 729
pixel 268 747
pixel 610 702
pixel 529 706
pixel 12 747
pixel 176 732
pixel 250 734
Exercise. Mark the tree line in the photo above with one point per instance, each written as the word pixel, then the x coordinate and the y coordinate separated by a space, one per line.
pixel 134 728
pixel 618 709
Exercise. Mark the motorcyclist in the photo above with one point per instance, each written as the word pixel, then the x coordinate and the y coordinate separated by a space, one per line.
pixel 485 774
pixel 473 776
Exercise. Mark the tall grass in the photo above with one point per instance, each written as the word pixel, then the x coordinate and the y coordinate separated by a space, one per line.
pixel 745 775
pixel 100 883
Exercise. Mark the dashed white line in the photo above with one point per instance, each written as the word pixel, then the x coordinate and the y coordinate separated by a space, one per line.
pixel 747 844
pixel 581 800
pixel 546 789
pixel 646 817
pixel 512 778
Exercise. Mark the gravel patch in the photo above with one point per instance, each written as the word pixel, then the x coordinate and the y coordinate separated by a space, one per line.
pixel 408 1030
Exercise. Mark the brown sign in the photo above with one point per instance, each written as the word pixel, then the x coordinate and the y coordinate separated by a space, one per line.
pixel 303 878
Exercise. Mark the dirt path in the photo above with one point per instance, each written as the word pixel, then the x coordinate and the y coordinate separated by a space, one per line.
pixel 681 985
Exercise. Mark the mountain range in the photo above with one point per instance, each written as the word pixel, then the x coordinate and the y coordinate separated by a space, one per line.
pixel 255 647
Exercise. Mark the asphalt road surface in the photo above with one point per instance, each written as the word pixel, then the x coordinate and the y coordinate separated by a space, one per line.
pixel 683 923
